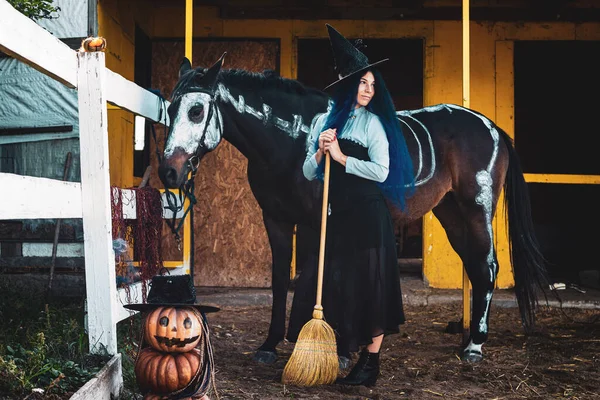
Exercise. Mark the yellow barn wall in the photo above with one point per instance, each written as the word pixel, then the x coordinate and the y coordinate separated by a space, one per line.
pixel 491 82
pixel 117 25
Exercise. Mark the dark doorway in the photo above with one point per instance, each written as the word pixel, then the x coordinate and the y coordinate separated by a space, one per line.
pixel 403 72
pixel 555 126
pixel 403 75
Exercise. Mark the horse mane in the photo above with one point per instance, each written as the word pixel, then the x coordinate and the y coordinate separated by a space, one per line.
pixel 252 81
pixel 185 81
pixel 265 81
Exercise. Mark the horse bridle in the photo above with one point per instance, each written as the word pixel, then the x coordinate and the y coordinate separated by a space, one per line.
pixel 186 189
pixel 211 108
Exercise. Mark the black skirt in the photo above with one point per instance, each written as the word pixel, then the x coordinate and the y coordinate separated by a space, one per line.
pixel 361 286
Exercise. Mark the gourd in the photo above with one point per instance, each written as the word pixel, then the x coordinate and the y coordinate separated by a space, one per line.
pixel 164 373
pixel 173 329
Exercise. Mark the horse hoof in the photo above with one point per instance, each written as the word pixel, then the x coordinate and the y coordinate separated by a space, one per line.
pixel 265 357
pixel 344 362
pixel 472 356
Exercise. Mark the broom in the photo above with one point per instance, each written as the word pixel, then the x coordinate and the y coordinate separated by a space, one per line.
pixel 314 360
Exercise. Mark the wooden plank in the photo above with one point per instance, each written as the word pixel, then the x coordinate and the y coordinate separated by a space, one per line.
pixel 129 96
pixel 100 274
pixel 25 40
pixel 107 383
pixel 45 249
pixel 427 13
pixel 129 207
pixel 32 198
pixel 563 178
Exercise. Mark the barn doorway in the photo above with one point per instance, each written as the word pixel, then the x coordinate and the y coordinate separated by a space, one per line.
pixel 555 125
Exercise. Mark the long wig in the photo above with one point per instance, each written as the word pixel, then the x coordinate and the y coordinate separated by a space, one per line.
pixel 399 183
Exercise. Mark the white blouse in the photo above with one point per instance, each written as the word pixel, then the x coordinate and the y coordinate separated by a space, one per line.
pixel 363 128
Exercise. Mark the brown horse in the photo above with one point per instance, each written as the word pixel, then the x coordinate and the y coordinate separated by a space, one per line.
pixel 462 161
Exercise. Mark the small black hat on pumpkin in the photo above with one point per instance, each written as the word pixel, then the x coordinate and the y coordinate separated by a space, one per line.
pixel 171 291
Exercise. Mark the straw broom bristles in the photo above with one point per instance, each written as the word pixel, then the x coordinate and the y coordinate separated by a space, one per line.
pixel 314 360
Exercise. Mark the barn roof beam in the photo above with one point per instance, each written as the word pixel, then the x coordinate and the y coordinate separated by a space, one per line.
pixel 508 14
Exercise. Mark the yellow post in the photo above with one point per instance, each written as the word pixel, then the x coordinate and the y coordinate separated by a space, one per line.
pixel 466 102
pixel 189 20
pixel 187 245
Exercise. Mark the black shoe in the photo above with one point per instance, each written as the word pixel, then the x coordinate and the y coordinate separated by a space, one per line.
pixel 365 372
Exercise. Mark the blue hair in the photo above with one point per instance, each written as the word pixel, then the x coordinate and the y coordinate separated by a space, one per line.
pixel 399 184
pixel 344 101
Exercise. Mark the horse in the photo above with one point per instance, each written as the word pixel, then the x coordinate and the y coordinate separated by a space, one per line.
pixel 462 161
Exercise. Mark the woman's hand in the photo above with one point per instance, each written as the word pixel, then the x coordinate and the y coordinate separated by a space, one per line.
pixel 326 136
pixel 333 147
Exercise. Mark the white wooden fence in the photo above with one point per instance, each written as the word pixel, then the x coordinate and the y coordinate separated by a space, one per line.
pixel 90 200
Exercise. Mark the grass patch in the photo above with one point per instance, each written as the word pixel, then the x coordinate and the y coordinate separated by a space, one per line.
pixel 43 345
pixel 128 335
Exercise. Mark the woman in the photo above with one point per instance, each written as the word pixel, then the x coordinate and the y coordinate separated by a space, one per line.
pixel 361 297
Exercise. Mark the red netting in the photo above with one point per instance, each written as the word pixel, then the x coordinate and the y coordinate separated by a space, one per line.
pixel 142 234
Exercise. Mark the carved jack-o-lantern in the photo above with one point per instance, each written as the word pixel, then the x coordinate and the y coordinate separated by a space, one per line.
pixel 173 329
pixel 164 373
pixel 152 396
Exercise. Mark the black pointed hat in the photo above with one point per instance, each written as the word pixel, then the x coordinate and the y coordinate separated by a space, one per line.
pixel 348 59
pixel 171 291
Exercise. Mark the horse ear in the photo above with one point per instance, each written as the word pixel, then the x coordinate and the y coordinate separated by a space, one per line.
pixel 210 76
pixel 185 66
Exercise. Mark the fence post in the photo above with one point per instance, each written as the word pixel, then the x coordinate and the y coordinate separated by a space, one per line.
pixel 100 275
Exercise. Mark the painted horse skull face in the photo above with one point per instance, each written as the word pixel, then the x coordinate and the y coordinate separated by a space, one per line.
pixel 195 127
pixel 173 329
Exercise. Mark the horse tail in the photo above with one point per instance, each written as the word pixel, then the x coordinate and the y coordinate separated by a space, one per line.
pixel 528 262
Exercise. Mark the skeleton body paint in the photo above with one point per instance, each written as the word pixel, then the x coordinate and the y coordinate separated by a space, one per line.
pixel 483 323
pixel 190 123
pixel 418 180
pixel 484 197
pixel 473 348
pixel 293 128
pixel 431 133
pixel 187 133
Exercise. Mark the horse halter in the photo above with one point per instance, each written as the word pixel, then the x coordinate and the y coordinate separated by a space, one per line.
pixel 194 161
pixel 186 190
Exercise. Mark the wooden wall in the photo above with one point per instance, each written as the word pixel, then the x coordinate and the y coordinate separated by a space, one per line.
pixel 231 246
pixel 116 23
pixel 492 93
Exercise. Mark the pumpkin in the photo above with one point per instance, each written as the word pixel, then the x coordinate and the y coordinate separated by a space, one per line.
pixel 152 396
pixel 164 373
pixel 92 44
pixel 173 329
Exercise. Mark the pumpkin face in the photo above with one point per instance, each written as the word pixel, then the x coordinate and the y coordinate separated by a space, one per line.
pixel 173 329
pixel 163 373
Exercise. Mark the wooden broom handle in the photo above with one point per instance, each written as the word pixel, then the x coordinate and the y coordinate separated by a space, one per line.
pixel 323 233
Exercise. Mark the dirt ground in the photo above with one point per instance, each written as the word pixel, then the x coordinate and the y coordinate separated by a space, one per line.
pixel 560 361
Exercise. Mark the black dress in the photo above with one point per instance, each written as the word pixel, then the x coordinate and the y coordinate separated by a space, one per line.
pixel 361 285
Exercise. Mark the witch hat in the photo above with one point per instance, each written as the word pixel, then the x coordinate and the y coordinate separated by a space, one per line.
pixel 348 59
pixel 171 291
